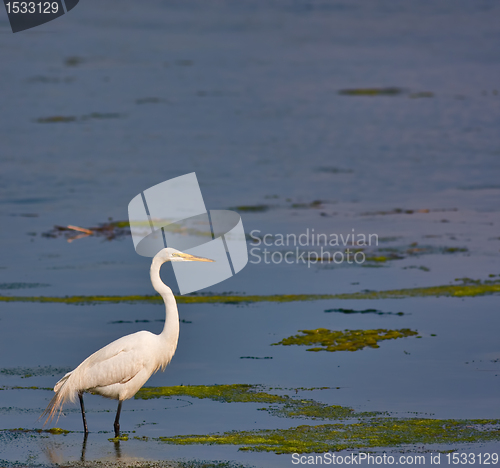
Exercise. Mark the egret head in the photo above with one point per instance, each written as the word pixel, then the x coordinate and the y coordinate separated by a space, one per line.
pixel 173 255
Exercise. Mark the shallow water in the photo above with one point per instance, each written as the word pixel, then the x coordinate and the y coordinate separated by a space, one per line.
pixel 247 95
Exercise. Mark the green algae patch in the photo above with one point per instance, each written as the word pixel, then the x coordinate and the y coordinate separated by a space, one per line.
pixel 470 288
pixel 236 393
pixel 233 299
pixel 386 254
pixel 57 430
pixel 26 372
pixel 379 432
pixel 452 290
pixel 348 340
pixel 380 258
pixel 123 437
pixel 311 409
pixel 251 208
pixel 200 299
pixel 280 405
pixel 82 299
pixel 54 430
pixel 416 267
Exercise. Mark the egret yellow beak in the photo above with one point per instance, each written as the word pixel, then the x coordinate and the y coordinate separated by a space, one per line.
pixel 192 258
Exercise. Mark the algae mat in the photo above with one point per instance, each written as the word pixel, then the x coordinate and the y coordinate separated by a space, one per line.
pixel 348 429
pixel 467 289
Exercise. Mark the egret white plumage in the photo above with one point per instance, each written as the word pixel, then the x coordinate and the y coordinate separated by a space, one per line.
pixel 121 368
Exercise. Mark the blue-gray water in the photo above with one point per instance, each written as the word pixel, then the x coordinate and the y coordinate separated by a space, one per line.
pixel 246 94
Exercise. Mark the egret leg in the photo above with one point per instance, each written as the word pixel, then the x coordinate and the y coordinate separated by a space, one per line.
pixel 85 430
pixel 117 419
pixel 84 446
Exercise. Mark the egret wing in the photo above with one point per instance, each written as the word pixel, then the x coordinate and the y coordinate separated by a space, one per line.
pixel 117 362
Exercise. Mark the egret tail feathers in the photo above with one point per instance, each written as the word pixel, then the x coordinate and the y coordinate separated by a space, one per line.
pixel 64 392
pixel 61 382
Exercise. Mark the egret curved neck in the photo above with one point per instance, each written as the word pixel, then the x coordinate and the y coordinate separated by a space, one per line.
pixel 171 327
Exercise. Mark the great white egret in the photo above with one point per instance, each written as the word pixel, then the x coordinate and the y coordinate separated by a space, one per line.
pixel 121 368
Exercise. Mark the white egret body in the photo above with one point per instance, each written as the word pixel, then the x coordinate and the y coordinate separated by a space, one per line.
pixel 121 368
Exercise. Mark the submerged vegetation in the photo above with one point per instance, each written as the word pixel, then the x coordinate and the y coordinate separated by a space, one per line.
pixel 241 393
pixel 454 290
pixel 365 311
pixel 281 405
pixel 467 288
pixel 397 211
pixel 391 91
pixel 386 254
pixel 358 254
pixel 371 433
pixel 54 430
pixel 123 437
pixel 347 340
pixel 251 208
pixel 26 372
pixel 349 429
pixel 23 285
pixel 72 118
